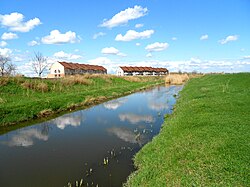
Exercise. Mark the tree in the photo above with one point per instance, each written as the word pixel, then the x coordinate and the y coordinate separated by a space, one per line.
pixel 39 63
pixel 6 67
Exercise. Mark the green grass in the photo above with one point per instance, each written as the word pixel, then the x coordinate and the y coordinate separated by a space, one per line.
pixel 23 99
pixel 206 141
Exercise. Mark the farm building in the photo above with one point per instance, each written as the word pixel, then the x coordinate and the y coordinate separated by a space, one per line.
pixel 61 69
pixel 133 71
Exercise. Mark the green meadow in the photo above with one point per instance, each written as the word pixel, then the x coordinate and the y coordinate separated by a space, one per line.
pixel 206 141
pixel 23 99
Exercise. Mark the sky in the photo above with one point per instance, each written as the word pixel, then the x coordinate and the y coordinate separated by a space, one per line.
pixel 181 35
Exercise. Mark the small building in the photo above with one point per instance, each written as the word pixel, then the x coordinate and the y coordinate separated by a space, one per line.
pixel 61 69
pixel 134 70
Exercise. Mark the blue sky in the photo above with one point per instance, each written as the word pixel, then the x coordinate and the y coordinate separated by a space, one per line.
pixel 186 35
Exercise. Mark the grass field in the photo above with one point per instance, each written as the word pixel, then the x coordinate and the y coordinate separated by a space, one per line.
pixel 22 99
pixel 206 141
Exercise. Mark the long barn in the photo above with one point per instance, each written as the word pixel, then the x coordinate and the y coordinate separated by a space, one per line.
pixel 134 70
pixel 61 69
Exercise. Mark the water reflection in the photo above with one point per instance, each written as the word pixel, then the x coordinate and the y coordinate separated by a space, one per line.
pixel 134 118
pixel 26 138
pixel 114 104
pixel 67 120
pixel 127 135
pixel 67 148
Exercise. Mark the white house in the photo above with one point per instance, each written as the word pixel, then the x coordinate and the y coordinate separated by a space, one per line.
pixel 61 69
pixel 134 70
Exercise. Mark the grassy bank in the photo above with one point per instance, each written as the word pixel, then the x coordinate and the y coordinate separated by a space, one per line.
pixel 22 99
pixel 206 140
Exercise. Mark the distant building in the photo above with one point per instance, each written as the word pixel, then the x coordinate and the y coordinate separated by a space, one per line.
pixel 134 70
pixel 61 69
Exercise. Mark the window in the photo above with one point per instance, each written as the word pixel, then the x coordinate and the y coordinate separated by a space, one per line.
pixel 59 71
pixel 55 75
pixel 59 75
pixel 55 71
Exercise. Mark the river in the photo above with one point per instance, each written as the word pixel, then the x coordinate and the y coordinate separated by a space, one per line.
pixel 93 146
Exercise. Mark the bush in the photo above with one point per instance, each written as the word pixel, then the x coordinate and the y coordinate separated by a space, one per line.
pixel 42 87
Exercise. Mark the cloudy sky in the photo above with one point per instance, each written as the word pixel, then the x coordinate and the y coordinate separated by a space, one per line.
pixel 186 35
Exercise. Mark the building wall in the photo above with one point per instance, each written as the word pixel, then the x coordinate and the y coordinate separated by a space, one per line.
pixel 119 72
pixel 140 73
pixel 56 71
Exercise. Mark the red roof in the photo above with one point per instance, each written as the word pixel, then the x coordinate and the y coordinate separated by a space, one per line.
pixel 70 65
pixel 142 69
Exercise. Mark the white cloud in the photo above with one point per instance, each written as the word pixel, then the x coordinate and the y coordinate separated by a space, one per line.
pixel 149 55
pixel 3 44
pixel 112 51
pixel 98 35
pixel 174 38
pixel 137 44
pixel 15 22
pixel 56 37
pixel 139 25
pixel 157 46
pixel 17 59
pixel 66 56
pixel 100 61
pixel 124 16
pixel 229 39
pixel 33 43
pixel 133 35
pixel 5 52
pixel 204 37
pixel 9 36
pixel 246 57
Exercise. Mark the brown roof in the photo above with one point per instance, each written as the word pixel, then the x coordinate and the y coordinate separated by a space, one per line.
pixel 70 65
pixel 142 69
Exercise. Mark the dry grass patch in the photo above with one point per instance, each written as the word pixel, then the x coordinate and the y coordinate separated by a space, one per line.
pixel 4 81
pixel 77 79
pixel 45 113
pixel 38 86
pixel 176 79
pixel 42 87
pixel 2 101
pixel 132 79
pixel 28 85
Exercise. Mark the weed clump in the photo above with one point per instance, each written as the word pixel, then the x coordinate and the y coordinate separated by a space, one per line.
pixel 77 79
pixel 36 86
pixel 42 87
pixel 4 81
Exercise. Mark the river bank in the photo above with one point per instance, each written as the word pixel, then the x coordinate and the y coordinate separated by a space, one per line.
pixel 205 142
pixel 23 99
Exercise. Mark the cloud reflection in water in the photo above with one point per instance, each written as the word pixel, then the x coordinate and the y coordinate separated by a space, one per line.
pixel 126 135
pixel 134 119
pixel 25 138
pixel 114 104
pixel 67 120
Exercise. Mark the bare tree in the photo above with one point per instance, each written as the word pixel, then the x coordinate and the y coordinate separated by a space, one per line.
pixel 39 63
pixel 6 67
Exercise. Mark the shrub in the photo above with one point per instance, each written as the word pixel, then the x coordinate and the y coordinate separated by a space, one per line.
pixel 28 85
pixel 77 79
pixel 4 81
pixel 41 86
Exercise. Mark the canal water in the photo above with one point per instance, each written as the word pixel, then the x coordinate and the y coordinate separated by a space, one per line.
pixel 93 147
